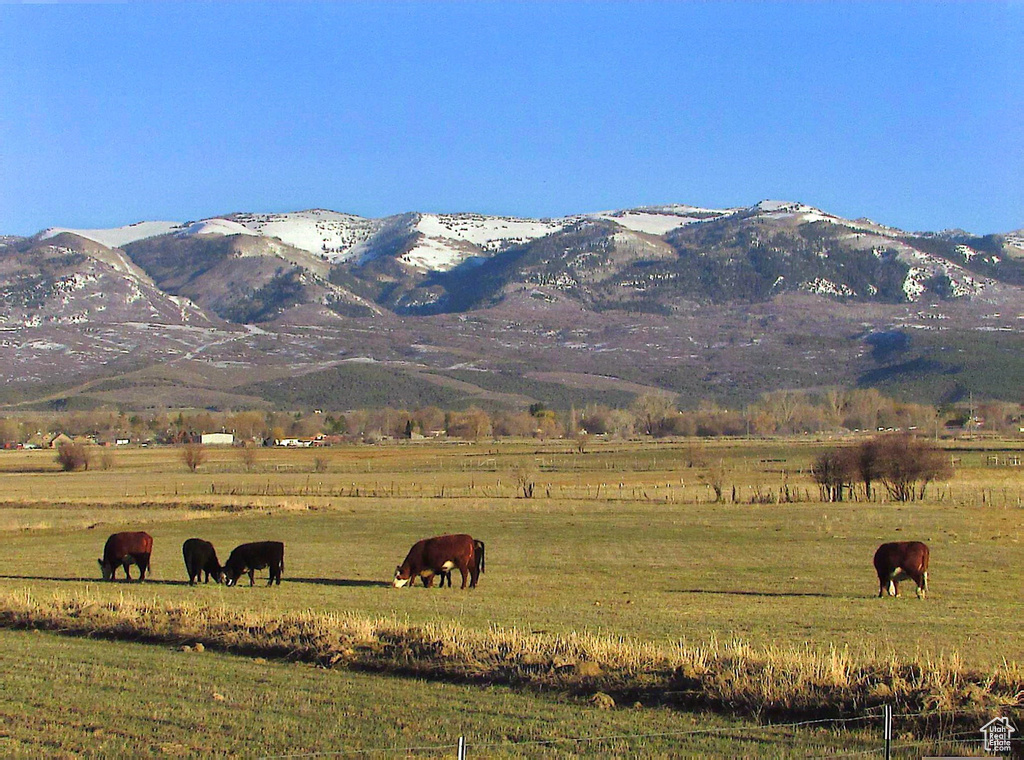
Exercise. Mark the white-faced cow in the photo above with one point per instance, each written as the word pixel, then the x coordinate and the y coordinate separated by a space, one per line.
pixel 248 558
pixel 901 561
pixel 433 556
pixel 446 575
pixel 201 558
pixel 124 550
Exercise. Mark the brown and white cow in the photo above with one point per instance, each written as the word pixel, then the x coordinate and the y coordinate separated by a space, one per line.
pixel 446 575
pixel 900 561
pixel 433 556
pixel 124 550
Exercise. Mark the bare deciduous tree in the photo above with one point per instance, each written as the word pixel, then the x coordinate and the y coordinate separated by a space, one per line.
pixel 525 478
pixel 193 455
pixel 650 410
pixel 834 471
pixel 907 465
pixel 903 464
pixel 714 476
pixel 248 456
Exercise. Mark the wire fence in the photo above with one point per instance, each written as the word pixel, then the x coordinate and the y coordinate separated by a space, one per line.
pixel 466 748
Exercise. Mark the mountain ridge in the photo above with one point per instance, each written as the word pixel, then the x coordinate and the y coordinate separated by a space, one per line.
pixel 731 300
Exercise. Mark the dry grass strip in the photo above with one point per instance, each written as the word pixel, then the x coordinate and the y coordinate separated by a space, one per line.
pixel 764 682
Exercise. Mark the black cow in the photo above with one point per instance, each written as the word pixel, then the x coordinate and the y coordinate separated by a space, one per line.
pixel 252 557
pixel 201 557
pixel 125 549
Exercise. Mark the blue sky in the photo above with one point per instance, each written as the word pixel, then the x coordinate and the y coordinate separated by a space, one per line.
pixel 907 113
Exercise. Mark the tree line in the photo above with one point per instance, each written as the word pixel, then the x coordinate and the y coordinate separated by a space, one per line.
pixel 655 415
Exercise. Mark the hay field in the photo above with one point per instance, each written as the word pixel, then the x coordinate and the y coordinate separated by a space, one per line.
pixel 620 540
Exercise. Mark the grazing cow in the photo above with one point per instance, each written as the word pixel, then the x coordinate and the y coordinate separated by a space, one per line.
pixel 252 557
pixel 446 575
pixel 125 549
pixel 900 561
pixel 441 554
pixel 201 557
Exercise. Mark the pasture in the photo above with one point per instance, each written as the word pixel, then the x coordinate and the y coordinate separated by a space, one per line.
pixel 620 540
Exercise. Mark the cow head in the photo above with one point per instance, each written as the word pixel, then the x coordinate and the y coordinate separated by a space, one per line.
pixel 220 576
pixel 106 569
pixel 399 581
pixel 229 576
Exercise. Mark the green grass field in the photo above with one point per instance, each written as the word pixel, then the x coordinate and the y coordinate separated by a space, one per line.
pixel 124 699
pixel 621 541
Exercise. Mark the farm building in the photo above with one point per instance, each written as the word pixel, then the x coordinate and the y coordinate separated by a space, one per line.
pixel 217 439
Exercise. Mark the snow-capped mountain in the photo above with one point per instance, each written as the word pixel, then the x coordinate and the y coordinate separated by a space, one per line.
pixel 654 294
pixel 647 257
pixel 439 240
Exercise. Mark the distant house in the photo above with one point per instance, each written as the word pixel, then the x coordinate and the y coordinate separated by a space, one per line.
pixel 59 440
pixel 295 442
pixel 217 439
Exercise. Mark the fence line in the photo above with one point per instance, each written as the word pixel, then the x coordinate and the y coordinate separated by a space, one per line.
pixel 746 729
pixel 465 749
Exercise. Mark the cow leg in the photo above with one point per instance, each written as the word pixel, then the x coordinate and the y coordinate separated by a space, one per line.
pixel 899 574
pixel 143 561
pixel 252 576
pixel 464 572
pixel 127 574
pixel 921 579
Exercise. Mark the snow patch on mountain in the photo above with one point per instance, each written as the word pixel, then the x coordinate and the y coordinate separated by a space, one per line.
pixel 432 254
pixel 913 285
pixel 491 233
pixel 660 220
pixel 215 226
pixel 801 212
pixel 822 286
pixel 118 236
pixel 330 234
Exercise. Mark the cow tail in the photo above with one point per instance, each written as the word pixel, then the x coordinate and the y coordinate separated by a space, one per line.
pixel 480 546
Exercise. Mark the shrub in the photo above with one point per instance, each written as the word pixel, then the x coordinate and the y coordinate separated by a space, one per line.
pixel 73 456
